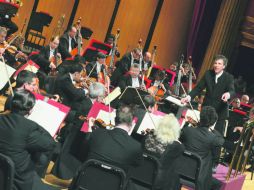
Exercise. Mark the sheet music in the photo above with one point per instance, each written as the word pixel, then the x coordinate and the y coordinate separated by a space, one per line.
pixel 3 76
pixel 106 118
pixel 48 116
pixel 147 123
pixel 175 101
pixel 113 95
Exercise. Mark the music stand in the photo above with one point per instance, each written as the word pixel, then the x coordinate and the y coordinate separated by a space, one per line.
pixel 132 95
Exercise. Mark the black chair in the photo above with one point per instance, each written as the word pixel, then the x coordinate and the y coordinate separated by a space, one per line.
pixel 188 168
pixel 34 37
pixel 6 172
pixel 144 175
pixel 98 175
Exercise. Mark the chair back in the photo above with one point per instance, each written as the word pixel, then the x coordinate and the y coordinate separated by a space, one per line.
pixel 6 172
pixel 188 168
pixel 145 174
pixel 98 175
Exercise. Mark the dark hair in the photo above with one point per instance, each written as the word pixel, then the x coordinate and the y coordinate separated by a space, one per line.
pixel 124 114
pixel 160 74
pixel 22 102
pixel 23 77
pixel 208 116
pixel 135 65
pixel 225 60
pixel 149 101
pixel 75 68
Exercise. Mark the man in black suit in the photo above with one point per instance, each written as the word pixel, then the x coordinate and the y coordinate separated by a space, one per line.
pixel 68 42
pixel 146 61
pixel 21 138
pixel 46 58
pixel 124 65
pixel 94 69
pixel 65 87
pixel 131 79
pixel 219 87
pixel 203 140
pixel 116 146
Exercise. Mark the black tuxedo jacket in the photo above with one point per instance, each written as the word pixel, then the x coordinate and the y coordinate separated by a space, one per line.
pixel 64 45
pixel 126 81
pixel 115 147
pixel 202 142
pixel 66 89
pixel 43 59
pixel 89 68
pixel 214 91
pixel 19 138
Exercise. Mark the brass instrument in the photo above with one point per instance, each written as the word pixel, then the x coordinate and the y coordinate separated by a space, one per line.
pixel 246 128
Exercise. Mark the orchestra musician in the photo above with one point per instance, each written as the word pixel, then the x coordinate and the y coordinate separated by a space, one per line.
pixel 5 21
pixel 146 61
pixel 132 79
pixel 110 41
pixel 46 58
pixel 3 33
pixel 68 42
pixel 124 65
pixel 21 139
pixel 95 68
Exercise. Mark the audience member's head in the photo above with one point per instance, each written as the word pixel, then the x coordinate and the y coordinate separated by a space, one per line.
pixel 96 91
pixel 245 99
pixel 124 115
pixel 22 102
pixel 134 70
pixel 208 116
pixel 26 80
pixel 168 129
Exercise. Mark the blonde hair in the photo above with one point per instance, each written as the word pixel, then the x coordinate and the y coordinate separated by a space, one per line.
pixel 168 129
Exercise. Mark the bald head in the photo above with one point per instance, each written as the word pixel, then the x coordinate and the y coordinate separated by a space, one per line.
pixel 147 57
pixel 245 99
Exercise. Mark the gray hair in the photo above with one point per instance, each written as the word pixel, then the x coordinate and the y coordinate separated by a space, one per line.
pixel 168 129
pixel 96 90
pixel 225 60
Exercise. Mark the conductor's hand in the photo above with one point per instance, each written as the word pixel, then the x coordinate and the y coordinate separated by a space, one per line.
pixel 225 97
pixel 186 99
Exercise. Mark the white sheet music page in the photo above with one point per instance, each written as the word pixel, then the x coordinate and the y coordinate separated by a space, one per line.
pixel 4 77
pixel 147 122
pixel 48 116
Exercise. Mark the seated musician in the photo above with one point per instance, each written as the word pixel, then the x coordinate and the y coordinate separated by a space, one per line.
pixel 3 33
pixel 110 41
pixel 5 20
pixel 146 61
pixel 22 138
pixel 131 79
pixel 163 143
pixel 46 58
pixel 159 82
pixel 245 99
pixel 65 86
pixel 95 68
pixel 68 42
pixel 203 140
pixel 124 65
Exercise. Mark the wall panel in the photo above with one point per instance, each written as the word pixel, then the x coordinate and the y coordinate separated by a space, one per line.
pixel 134 19
pixel 24 12
pixel 172 30
pixel 96 15
pixel 55 8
